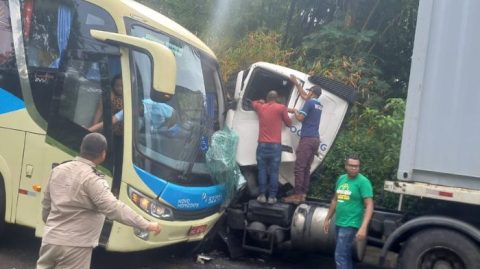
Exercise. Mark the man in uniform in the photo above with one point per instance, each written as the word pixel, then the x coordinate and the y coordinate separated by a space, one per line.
pixel 76 200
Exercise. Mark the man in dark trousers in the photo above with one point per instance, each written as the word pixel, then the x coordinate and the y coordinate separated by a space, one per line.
pixel 271 116
pixel 352 205
pixel 310 116
pixel 76 200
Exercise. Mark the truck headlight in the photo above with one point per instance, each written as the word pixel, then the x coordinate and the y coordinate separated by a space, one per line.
pixel 149 205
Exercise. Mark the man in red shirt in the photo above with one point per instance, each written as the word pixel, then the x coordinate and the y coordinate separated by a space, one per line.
pixel 269 150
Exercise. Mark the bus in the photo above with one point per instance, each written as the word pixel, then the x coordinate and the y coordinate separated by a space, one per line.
pixel 57 61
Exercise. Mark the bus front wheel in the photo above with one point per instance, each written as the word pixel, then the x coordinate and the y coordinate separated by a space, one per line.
pixel 439 248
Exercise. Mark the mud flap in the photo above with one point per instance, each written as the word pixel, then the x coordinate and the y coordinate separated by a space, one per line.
pixel 233 244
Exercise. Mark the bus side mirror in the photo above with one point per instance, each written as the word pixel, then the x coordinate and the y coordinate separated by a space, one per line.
pixel 164 64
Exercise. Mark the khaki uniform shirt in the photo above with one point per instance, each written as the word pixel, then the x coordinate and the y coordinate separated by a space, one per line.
pixel 76 202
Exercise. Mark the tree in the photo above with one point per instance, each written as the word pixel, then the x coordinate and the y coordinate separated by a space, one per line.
pixel 191 14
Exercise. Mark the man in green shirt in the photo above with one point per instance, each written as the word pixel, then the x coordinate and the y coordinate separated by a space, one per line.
pixel 353 205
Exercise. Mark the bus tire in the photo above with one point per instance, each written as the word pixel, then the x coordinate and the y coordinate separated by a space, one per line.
pixel 2 206
pixel 433 248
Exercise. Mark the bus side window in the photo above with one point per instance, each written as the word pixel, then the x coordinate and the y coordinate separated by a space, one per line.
pixel 82 90
pixel 9 79
pixel 46 29
pixel 85 69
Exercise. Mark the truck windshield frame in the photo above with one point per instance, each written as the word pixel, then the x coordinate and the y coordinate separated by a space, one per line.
pixel 172 137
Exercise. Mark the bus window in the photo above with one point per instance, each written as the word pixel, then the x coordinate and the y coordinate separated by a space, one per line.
pixel 186 121
pixel 9 79
pixel 87 67
pixel 212 84
pixel 7 54
pixel 81 93
pixel 43 43
pixel 53 29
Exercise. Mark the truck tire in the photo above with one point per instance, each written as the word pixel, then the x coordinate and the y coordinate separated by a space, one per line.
pixel 439 248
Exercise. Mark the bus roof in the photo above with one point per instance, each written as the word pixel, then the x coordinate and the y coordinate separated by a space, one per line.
pixel 131 9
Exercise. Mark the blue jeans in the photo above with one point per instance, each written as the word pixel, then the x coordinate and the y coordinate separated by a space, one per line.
pixel 343 249
pixel 268 163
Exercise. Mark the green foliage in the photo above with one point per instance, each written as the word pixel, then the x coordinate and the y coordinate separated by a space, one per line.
pixel 255 47
pixel 191 14
pixel 375 136
pixel 335 39
pixel 360 73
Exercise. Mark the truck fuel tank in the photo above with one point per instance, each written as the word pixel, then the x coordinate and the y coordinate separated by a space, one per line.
pixel 306 232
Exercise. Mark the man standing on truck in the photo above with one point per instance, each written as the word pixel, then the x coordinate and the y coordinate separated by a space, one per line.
pixel 77 199
pixel 269 150
pixel 353 205
pixel 309 139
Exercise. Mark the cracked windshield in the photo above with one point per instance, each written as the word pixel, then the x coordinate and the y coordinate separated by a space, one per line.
pixel 184 122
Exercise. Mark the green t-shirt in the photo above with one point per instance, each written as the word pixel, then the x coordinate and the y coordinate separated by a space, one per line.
pixel 350 194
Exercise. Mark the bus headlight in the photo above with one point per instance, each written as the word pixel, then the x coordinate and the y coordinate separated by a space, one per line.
pixel 149 205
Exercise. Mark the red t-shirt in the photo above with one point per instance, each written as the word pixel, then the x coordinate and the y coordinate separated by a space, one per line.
pixel 270 118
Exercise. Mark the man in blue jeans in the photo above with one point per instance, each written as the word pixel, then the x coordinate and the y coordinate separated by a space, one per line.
pixel 353 205
pixel 269 150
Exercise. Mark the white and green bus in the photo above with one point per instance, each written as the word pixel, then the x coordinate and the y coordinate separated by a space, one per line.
pixel 57 61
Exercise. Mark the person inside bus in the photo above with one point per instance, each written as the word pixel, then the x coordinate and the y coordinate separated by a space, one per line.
pixel 163 118
pixel 116 99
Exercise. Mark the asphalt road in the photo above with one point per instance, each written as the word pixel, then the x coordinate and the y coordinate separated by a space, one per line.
pixel 19 250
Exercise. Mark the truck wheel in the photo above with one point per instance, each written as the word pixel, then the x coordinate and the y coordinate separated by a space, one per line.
pixel 2 206
pixel 439 248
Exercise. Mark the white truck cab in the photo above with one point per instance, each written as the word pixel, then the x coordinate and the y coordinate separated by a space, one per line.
pixel 254 84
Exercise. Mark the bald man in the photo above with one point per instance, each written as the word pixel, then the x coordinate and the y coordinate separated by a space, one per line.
pixel 271 117
pixel 77 198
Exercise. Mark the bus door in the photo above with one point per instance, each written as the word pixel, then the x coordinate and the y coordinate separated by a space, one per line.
pixel 85 68
pixel 83 89
pixel 69 75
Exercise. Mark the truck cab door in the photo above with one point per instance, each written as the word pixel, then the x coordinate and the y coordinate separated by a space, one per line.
pixel 254 84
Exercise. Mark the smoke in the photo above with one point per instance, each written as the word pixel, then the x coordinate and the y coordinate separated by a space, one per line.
pixel 220 18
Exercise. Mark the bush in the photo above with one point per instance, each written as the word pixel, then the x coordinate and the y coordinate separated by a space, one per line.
pixel 256 46
pixel 376 137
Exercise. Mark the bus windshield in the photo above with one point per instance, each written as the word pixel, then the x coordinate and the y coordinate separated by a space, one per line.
pixel 172 137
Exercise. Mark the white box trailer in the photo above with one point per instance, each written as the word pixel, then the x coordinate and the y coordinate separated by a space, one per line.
pixel 441 133
pixel 440 152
